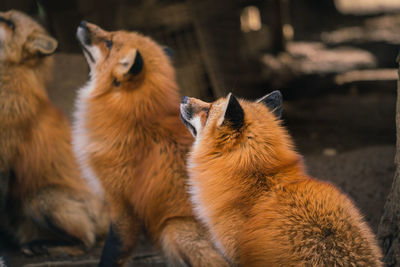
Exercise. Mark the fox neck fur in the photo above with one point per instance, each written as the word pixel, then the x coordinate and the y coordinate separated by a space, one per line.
pixel 155 112
pixel 252 175
pixel 23 97
pixel 136 123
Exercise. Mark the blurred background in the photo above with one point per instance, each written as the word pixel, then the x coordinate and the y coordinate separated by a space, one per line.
pixel 333 60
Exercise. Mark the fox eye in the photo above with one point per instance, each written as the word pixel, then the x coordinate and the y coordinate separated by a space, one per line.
pixel 109 44
pixel 206 111
pixel 9 23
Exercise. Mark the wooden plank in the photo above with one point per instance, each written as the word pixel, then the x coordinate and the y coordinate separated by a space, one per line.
pixel 389 226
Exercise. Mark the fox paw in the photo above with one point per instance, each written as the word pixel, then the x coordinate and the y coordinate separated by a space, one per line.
pixel 34 248
pixel 52 248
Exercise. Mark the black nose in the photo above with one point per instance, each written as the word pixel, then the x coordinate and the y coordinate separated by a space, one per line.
pixel 185 100
pixel 83 24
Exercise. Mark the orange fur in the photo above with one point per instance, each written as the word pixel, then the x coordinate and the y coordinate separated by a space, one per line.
pixel 46 198
pixel 129 131
pixel 250 188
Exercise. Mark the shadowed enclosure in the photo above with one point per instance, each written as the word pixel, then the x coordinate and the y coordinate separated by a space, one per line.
pixel 333 60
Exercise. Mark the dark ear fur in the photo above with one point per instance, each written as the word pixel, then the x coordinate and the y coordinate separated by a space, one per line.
pixel 137 66
pixel 169 52
pixel 234 114
pixel 42 43
pixel 273 101
pixel 130 64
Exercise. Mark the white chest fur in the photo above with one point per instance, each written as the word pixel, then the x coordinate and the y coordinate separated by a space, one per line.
pixel 81 140
pixel 201 210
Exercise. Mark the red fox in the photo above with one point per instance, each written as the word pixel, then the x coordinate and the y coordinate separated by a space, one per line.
pixel 249 186
pixel 132 146
pixel 45 205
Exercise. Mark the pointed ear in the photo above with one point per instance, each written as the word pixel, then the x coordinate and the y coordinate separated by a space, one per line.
pixel 273 101
pixel 137 65
pixel 42 43
pixel 131 64
pixel 169 52
pixel 234 114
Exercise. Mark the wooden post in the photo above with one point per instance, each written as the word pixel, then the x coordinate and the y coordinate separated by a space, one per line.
pixel 4 180
pixel 276 16
pixel 389 227
pixel 217 26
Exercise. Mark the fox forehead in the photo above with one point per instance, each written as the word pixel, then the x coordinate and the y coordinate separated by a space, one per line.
pixel 198 105
pixel 216 109
pixel 22 20
pixel 255 111
pixel 24 28
pixel 122 43
pixel 123 38
pixel 13 39
pixel 3 34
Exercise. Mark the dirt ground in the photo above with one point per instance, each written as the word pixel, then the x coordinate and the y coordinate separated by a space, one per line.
pixel 347 139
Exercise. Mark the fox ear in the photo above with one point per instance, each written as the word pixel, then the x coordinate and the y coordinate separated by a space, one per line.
pixel 42 43
pixel 273 101
pixel 234 114
pixel 131 64
pixel 137 65
pixel 169 52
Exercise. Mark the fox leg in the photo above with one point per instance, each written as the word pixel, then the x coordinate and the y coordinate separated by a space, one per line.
pixel 121 239
pixel 62 220
pixel 38 247
pixel 3 259
pixel 185 243
pixel 5 177
pixel 111 250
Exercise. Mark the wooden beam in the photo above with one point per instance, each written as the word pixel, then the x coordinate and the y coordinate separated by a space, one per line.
pixel 389 227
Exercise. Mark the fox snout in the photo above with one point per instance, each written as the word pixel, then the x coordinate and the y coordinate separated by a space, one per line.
pixel 91 34
pixel 187 115
pixel 194 114
pixel 84 33
pixel 88 36
pixel 185 110
pixel 185 100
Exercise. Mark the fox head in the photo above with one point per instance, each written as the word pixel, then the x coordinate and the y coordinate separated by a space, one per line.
pixel 22 40
pixel 230 125
pixel 122 60
pixel 226 114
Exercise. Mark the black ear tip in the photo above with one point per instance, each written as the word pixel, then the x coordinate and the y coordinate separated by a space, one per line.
pixel 234 113
pixel 277 92
pixel 276 95
pixel 169 52
pixel 274 102
pixel 138 55
pixel 137 65
pixel 233 100
pixel 232 97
